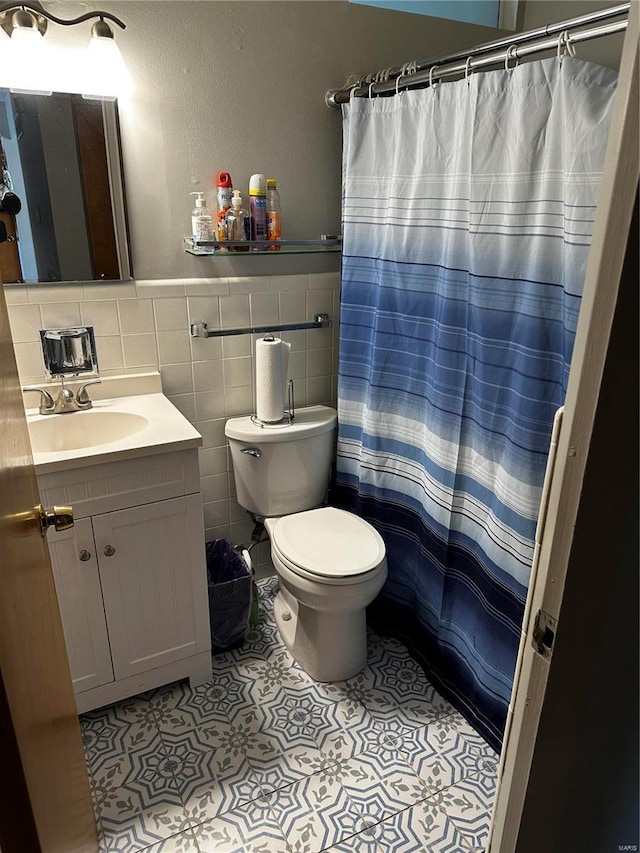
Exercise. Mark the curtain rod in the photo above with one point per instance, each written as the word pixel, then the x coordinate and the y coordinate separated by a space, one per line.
pixel 489 53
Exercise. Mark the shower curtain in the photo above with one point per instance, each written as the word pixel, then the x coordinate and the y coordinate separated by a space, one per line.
pixel 468 210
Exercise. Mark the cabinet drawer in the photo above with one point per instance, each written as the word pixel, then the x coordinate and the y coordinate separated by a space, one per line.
pixel 117 485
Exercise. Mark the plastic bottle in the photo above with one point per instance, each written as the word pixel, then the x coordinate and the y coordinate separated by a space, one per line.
pixel 237 223
pixel 274 220
pixel 258 208
pixel 201 221
pixel 224 194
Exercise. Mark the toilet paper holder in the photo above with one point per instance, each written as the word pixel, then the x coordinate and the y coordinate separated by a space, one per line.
pixel 287 417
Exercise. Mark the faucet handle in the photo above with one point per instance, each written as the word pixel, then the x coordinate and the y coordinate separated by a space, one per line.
pixel 46 400
pixel 82 398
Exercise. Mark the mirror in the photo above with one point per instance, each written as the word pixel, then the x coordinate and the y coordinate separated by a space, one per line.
pixel 61 158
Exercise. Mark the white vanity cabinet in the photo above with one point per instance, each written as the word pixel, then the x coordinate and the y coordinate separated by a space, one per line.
pixel 131 575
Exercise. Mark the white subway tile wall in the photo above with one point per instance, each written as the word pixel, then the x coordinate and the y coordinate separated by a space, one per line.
pixel 143 325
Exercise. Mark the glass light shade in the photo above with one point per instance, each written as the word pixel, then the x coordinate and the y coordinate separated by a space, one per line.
pixel 25 62
pixel 107 75
pixel 5 51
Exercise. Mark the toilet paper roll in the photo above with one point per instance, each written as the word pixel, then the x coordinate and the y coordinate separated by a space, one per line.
pixel 272 363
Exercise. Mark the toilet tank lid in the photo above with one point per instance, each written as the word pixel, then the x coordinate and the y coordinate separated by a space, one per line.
pixel 310 421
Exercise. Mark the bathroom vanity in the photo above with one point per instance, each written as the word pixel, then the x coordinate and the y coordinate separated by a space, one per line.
pixel 130 574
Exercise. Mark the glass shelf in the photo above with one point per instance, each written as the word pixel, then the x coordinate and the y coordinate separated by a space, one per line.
pixel 227 249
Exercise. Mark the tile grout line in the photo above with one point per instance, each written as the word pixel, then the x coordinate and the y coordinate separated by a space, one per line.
pixel 433 793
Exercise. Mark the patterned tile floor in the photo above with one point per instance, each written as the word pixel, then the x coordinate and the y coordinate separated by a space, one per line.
pixel 265 760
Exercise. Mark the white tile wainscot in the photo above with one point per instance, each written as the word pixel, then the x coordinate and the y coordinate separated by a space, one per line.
pixel 131 574
pixel 201 383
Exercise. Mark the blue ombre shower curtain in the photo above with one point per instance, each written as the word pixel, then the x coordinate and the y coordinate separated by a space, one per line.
pixel 468 210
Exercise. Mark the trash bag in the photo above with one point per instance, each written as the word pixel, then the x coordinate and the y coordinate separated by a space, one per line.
pixel 230 595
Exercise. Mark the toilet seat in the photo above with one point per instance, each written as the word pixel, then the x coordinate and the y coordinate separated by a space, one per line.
pixel 328 545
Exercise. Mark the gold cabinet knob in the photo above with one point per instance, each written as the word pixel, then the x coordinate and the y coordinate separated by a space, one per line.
pixel 60 517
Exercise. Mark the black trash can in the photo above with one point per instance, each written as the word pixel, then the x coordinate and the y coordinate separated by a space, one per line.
pixel 230 595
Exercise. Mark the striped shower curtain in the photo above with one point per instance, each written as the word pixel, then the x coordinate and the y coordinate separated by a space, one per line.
pixel 468 210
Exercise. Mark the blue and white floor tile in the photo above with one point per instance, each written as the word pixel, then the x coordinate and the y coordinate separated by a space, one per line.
pixel 265 760
pixel 468 805
pixel 183 842
pixel 250 829
pixel 441 754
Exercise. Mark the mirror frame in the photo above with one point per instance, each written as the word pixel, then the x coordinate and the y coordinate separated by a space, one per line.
pixel 118 199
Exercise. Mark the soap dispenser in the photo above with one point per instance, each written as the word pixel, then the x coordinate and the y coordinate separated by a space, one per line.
pixel 237 221
pixel 201 221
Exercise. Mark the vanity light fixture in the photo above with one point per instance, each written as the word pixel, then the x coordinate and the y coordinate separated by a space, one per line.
pixel 34 17
pixel 26 59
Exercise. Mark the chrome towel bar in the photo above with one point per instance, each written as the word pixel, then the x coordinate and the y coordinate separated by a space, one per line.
pixel 199 329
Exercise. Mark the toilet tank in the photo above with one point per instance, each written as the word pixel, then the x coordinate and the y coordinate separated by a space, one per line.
pixel 280 469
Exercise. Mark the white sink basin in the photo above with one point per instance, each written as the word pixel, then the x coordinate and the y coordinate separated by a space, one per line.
pixel 121 425
pixel 83 429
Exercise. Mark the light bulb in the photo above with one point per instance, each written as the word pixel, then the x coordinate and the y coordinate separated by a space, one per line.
pixel 25 62
pixel 5 55
pixel 107 73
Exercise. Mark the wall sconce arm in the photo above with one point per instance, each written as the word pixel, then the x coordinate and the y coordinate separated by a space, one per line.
pixel 42 16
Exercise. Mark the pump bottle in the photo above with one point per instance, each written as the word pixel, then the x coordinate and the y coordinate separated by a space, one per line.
pixel 237 223
pixel 201 221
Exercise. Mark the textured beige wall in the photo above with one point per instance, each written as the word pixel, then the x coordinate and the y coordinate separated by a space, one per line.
pixel 604 51
pixel 239 86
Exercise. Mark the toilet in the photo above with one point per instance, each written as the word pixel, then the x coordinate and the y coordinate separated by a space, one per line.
pixel 331 563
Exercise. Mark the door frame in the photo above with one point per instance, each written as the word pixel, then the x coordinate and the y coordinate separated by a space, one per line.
pixel 604 270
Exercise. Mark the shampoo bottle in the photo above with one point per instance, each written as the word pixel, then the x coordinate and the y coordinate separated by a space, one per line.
pixel 258 208
pixel 201 222
pixel 237 223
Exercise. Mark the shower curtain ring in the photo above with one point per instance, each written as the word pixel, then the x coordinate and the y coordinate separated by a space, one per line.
pixel 432 85
pixel 370 88
pixel 398 79
pixel 564 46
pixel 512 50
pixel 467 69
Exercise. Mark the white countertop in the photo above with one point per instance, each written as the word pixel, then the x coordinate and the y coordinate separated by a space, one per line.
pixel 167 430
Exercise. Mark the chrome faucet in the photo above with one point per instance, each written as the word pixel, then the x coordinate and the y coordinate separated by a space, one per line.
pixel 47 404
pixel 66 401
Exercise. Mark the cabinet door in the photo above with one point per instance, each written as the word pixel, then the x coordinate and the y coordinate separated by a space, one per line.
pixel 152 567
pixel 80 600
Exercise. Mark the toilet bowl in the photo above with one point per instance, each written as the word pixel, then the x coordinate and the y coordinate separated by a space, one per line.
pixel 331 565
pixel 330 562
